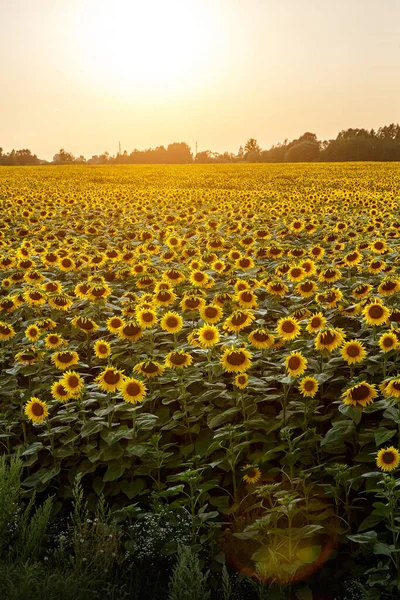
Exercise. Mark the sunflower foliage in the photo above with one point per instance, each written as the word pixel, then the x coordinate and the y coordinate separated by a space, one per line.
pixel 224 339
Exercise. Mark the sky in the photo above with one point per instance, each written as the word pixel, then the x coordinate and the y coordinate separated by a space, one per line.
pixel 85 75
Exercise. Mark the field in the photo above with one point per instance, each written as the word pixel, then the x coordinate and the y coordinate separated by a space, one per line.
pixel 207 357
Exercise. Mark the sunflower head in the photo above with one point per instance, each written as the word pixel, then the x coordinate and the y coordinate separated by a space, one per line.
pixel 252 474
pixel 36 410
pixel 388 459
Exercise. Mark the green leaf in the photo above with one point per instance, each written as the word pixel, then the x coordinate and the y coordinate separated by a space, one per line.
pixel 364 538
pixel 115 469
pixel 92 427
pixel 339 432
pixel 132 489
pixel 380 548
pixel 383 434
pixel 112 452
pixel 33 448
pixel 309 554
pixel 217 420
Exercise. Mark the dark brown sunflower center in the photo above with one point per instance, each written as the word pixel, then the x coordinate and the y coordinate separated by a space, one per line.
pixel 150 368
pixel 133 389
pixel 388 458
pixel 376 311
pixel 178 359
pixel 378 245
pixel 236 358
pixel 239 319
pixel 309 386
pixel 60 301
pixel 102 349
pixel 395 385
pixel 111 377
pixel 294 363
pixel 73 381
pixel 86 325
pixel 327 338
pixel 211 312
pixel 388 342
pixel 37 409
pixel 115 323
pixel 172 322
pixel 376 264
pixel 296 272
pixel 148 317
pixel 131 329
pixel 192 302
pixel 388 286
pixel 61 391
pixel 65 357
pixel 4 330
pixel 259 336
pixel 164 296
pixel 361 392
pixel 288 327
pixel 7 304
pixel 209 335
pixel 307 286
pixel 66 262
pixel 247 297
pixel 329 273
pixel 277 287
pixel 353 350
pixel 199 277
pixel 244 262
pixel 35 296
pixel 98 292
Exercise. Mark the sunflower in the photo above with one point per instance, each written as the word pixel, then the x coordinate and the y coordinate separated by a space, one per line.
pixel 236 360
pixel 133 390
pixel 238 320
pixel 389 286
pixel 330 275
pixel 379 247
pixel 376 314
pixel 114 324
pixel 288 328
pixel 82 290
pixel 242 381
pixel 66 264
pixel 32 332
pixel 308 387
pixel 54 340
pixel 59 392
pixel 72 382
pixel 353 258
pixel 192 303
pixel 130 331
pixel 102 349
pixel 164 298
pixel 296 364
pixel 65 359
pixel 178 359
pixel 388 459
pixel 199 278
pixel 29 356
pixel 246 299
pixel 393 388
pixel 146 317
pixel 6 331
pixel 36 410
pixel 306 289
pixel 149 368
pixel 211 313
pixel 261 338
pixel 276 288
pixel 171 322
pixel 84 324
pixel 34 298
pixel 109 379
pixel 208 336
pixel 60 302
pixel 361 394
pixel 329 339
pixel 296 274
pixel 388 341
pixel 353 352
pixel 252 475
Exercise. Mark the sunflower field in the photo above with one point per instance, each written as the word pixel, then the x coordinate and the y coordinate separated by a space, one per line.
pixel 204 358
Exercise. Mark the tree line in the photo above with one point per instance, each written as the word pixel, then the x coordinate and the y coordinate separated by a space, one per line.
pixel 349 145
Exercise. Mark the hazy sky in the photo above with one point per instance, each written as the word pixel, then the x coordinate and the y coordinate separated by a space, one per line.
pixel 84 74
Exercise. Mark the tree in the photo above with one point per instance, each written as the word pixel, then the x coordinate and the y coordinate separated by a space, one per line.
pixel 179 152
pixel 252 151
pixel 302 152
pixel 63 157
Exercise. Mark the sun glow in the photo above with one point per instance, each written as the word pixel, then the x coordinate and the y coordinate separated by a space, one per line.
pixel 153 46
